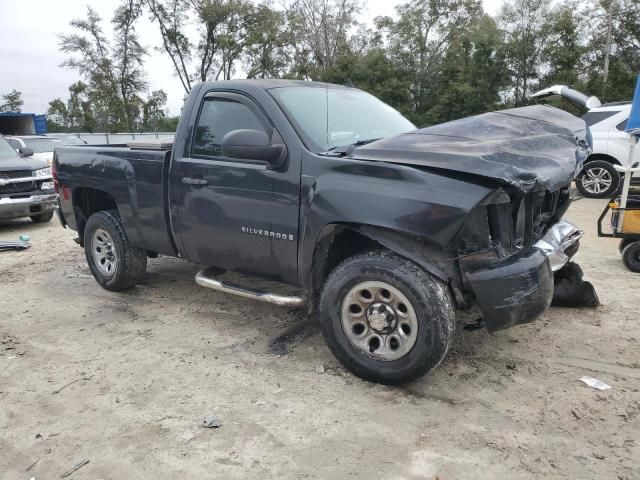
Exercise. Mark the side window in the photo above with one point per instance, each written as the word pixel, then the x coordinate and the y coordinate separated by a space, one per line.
pixel 14 143
pixel 622 126
pixel 217 118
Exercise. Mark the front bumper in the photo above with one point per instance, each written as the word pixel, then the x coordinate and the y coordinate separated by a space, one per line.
pixel 27 206
pixel 517 289
pixel 560 243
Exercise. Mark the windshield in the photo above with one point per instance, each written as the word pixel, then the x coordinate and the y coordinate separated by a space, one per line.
pixel 333 117
pixel 39 145
pixel 6 151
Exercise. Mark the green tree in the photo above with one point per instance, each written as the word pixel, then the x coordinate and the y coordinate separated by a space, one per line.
pixel 12 102
pixel 170 16
pixel 224 30
pixel 268 42
pixel 472 75
pixel 320 34
pixel 127 54
pixel 525 23
pixel 153 111
pixel 613 61
pixel 76 115
pixel 419 39
pixel 564 50
pixel 112 74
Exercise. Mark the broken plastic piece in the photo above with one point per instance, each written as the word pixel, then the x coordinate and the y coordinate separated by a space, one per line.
pixel 594 383
pixel 570 290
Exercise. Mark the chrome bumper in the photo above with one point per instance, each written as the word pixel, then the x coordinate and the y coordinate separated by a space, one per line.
pixel 27 206
pixel 557 241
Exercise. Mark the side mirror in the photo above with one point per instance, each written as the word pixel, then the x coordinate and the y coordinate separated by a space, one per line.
pixel 253 145
pixel 25 152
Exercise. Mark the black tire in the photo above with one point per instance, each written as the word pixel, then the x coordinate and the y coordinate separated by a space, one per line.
pixel 429 297
pixel 631 256
pixel 626 241
pixel 588 191
pixel 42 218
pixel 130 263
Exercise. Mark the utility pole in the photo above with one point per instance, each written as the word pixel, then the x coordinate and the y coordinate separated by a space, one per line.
pixel 605 74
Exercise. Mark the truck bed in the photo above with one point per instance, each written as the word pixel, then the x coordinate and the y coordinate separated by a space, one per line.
pixel 134 177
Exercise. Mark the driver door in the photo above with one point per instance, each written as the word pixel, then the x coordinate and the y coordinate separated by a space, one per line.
pixel 236 214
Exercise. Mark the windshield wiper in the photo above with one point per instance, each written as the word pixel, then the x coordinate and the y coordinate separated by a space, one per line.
pixel 343 150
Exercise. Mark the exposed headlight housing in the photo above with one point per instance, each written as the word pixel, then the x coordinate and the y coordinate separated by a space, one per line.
pixel 43 172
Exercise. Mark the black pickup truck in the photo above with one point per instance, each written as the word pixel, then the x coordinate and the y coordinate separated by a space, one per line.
pixel 386 230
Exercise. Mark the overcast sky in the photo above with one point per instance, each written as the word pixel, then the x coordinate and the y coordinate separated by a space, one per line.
pixel 30 60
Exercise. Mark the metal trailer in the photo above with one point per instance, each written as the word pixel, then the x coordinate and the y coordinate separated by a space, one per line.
pixel 13 123
pixel 625 220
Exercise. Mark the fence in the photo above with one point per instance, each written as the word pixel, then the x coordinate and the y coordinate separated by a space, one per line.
pixel 120 138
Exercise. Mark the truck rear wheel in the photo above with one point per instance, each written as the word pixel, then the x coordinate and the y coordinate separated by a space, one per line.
pixel 386 319
pixel 115 264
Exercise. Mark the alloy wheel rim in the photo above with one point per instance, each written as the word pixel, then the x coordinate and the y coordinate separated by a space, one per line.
pixel 596 180
pixel 104 252
pixel 379 320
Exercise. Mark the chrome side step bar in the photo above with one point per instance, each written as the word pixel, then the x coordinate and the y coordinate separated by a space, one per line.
pixel 262 296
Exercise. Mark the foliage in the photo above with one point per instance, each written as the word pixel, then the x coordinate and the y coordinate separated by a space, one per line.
pixel 434 60
pixel 12 102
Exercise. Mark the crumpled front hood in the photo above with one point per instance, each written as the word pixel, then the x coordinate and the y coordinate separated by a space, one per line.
pixel 530 148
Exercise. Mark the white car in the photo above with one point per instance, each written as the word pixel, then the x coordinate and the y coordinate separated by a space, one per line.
pixel 607 122
pixel 41 145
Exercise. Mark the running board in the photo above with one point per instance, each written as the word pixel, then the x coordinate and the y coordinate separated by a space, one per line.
pixel 261 295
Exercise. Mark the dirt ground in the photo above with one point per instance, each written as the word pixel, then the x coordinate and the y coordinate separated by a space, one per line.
pixel 125 380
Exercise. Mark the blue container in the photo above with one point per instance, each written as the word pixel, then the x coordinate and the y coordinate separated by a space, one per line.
pixel 633 124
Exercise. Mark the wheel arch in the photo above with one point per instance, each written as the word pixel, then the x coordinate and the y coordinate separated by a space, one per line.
pixel 86 202
pixel 338 241
pixel 603 157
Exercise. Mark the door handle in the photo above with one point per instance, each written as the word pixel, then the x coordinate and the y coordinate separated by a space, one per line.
pixel 195 181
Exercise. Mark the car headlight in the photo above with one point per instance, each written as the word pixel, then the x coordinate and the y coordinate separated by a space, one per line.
pixel 43 172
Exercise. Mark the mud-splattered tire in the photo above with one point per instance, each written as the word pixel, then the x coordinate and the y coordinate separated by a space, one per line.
pixel 631 256
pixel 42 218
pixel 115 264
pixel 366 282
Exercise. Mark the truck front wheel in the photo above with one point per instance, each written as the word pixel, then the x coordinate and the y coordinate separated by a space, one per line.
pixel 385 318
pixel 115 264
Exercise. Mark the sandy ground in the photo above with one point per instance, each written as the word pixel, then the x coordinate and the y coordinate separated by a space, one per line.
pixel 124 380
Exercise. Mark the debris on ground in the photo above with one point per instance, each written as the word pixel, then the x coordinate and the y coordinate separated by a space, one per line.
pixel 594 383
pixel 320 368
pixel 6 246
pixel 77 466
pixel 570 290
pixel 212 422
pixel 67 385
pixel 32 465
